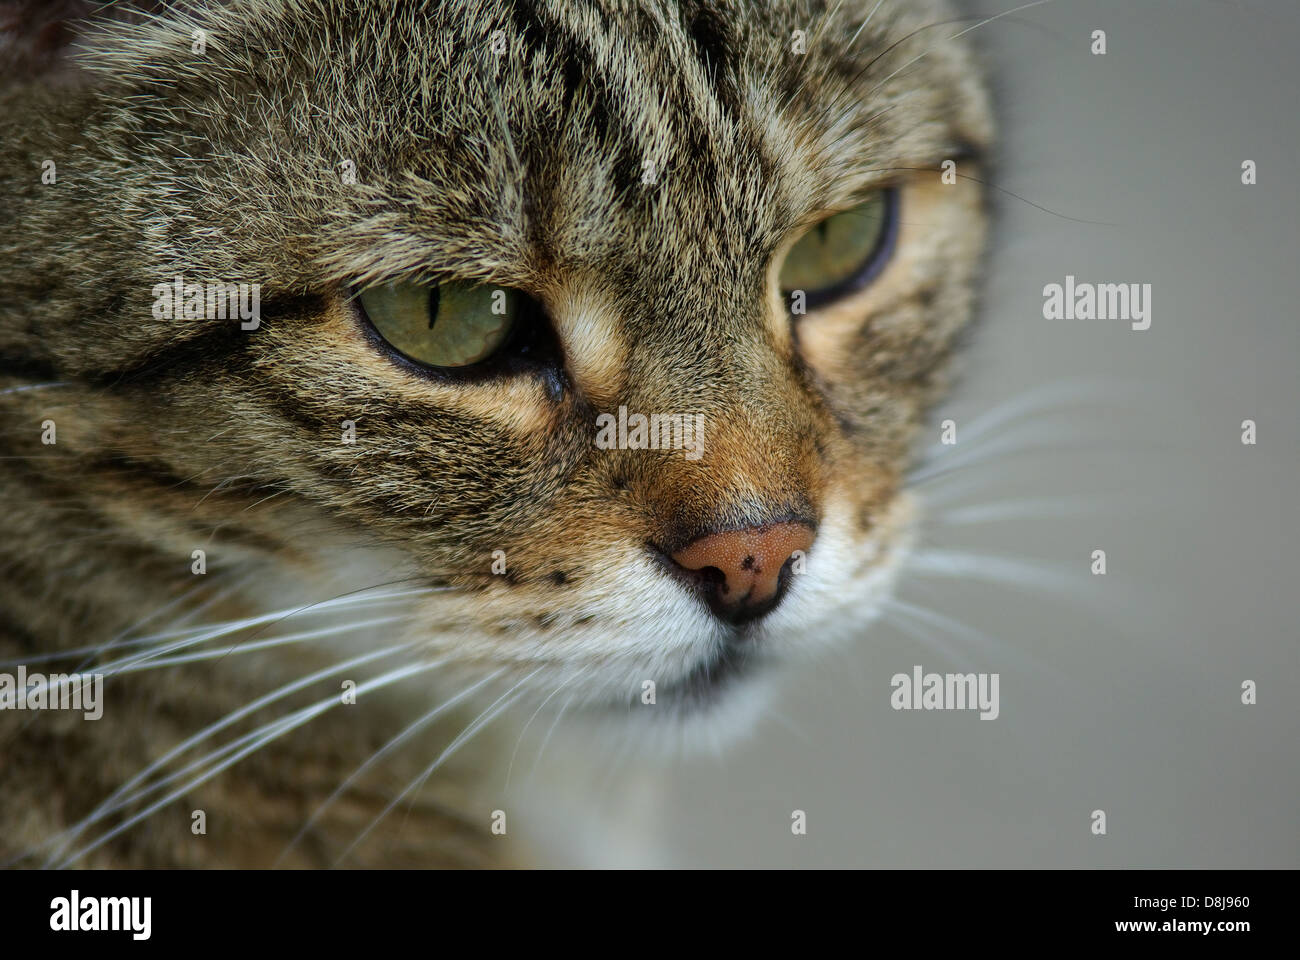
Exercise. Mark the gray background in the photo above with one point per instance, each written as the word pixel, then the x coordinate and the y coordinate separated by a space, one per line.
pixel 1119 692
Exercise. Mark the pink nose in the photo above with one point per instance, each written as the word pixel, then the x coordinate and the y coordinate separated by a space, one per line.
pixel 750 562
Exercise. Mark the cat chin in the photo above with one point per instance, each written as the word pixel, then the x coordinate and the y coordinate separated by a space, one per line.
pixel 690 722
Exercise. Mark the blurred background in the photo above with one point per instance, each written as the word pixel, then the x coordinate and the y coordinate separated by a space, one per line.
pixel 1119 692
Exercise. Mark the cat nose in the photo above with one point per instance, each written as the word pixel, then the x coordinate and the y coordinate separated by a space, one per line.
pixel 742 569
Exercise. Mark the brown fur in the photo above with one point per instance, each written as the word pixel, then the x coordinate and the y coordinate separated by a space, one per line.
pixel 522 170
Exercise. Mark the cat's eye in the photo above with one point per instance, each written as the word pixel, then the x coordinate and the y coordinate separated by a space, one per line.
pixel 844 252
pixel 445 325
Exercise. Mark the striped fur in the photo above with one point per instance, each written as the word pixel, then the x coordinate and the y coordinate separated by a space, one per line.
pixel 522 169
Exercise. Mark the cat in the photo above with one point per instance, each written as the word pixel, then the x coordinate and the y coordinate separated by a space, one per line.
pixel 306 539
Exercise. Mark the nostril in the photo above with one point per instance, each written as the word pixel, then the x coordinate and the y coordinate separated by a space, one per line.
pixel 712 581
pixel 711 575
pixel 745 572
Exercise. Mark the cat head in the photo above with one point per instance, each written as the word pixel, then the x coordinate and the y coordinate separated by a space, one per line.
pixel 691 272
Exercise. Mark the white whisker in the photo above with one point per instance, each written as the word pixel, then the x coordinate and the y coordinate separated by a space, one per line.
pixel 110 804
pixel 1024 509
pixel 406 733
pixel 30 386
pixel 905 619
pixel 481 721
pixel 524 730
pixel 547 739
pixel 990 568
pixel 962 33
pixel 278 729
pixel 253 645
pixel 211 632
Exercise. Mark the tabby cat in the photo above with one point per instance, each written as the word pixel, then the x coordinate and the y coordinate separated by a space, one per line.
pixel 377 378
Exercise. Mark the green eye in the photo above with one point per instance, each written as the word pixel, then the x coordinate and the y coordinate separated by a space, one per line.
pixel 450 324
pixel 844 252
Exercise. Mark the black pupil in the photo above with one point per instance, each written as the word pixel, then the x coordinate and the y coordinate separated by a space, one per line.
pixel 434 296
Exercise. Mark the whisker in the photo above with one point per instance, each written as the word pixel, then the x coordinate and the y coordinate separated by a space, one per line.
pixel 987 643
pixel 97 651
pixel 905 619
pixel 547 739
pixel 524 730
pixel 960 33
pixel 292 722
pixel 406 733
pixel 800 79
pixel 122 639
pixel 466 733
pixel 990 568
pixel 129 664
pixel 481 721
pixel 1035 507
pixel 1040 399
pixel 110 805
pixel 31 386
pixel 271 642
pixel 1030 440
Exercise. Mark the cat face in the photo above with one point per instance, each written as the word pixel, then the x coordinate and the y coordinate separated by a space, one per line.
pixel 634 179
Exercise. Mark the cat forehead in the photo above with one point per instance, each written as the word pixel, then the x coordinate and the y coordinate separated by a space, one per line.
pixel 490 138
pixel 567 127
